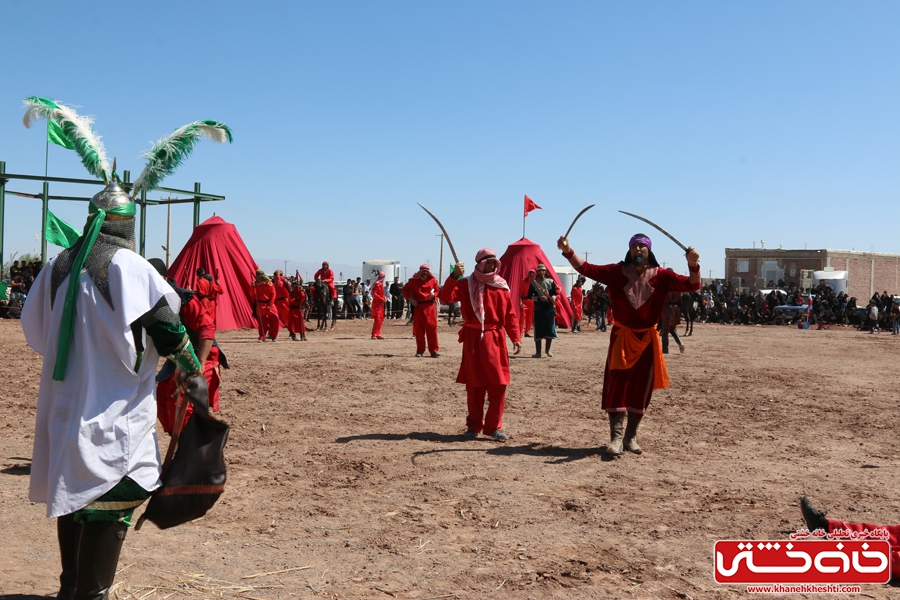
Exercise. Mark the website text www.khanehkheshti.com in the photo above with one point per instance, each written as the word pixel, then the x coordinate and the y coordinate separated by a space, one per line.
pixel 803 588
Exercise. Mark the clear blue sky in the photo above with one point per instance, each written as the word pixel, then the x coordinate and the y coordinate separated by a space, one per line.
pixel 725 122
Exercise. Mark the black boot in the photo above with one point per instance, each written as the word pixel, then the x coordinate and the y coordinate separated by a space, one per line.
pixel 814 518
pixel 98 558
pixel 69 534
pixel 547 347
pixel 537 349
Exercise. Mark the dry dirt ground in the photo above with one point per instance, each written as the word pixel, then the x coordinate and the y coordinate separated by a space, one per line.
pixel 348 476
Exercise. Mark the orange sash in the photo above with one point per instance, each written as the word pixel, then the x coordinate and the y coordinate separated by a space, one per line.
pixel 627 349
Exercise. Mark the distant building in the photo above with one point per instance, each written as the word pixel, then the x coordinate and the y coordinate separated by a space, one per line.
pixel 867 272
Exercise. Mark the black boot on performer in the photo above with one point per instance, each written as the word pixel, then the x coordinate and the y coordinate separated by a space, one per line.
pixel 69 534
pixel 547 348
pixel 537 349
pixel 98 557
pixel 814 518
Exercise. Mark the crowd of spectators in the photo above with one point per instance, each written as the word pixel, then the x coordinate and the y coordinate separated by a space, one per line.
pixel 820 306
pixel 16 286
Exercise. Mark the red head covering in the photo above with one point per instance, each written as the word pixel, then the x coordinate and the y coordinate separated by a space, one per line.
pixel 481 279
pixel 424 268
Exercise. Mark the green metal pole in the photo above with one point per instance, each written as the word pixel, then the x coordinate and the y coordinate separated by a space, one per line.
pixel 2 211
pixel 45 208
pixel 143 222
pixel 196 204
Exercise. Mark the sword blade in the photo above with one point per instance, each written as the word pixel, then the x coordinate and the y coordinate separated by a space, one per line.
pixel 658 228
pixel 583 210
pixel 446 235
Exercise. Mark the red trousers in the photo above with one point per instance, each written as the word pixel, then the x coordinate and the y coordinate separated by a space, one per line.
pixel 267 322
pixel 377 318
pixel 527 316
pixel 425 327
pixel 166 404
pixel 476 420
pixel 296 322
pixel 893 540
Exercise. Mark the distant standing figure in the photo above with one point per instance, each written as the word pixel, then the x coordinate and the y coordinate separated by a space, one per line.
pixel 527 304
pixel 422 291
pixel 262 297
pixel 296 303
pixel 378 306
pixel 543 292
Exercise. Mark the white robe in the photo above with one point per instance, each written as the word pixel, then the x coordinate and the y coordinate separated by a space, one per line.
pixel 97 425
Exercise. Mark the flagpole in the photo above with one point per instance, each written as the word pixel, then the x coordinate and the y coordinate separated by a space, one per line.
pixel 47 149
pixel 523 226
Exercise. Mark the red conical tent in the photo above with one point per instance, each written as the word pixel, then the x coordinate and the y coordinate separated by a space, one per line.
pixel 217 247
pixel 519 258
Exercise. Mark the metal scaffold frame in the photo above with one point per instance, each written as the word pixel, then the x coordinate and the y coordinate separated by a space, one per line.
pixel 195 197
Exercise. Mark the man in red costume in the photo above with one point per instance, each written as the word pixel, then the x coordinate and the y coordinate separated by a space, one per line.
pixel 327 275
pixel 487 310
pixel 577 303
pixel 638 289
pixel 816 520
pixel 421 291
pixel 527 304
pixel 202 332
pixel 296 301
pixel 208 291
pixel 282 289
pixel 262 297
pixel 377 292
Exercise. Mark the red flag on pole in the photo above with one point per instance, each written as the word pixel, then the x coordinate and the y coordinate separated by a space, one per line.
pixel 530 205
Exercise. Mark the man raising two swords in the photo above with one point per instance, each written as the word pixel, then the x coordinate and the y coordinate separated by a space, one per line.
pixel 638 289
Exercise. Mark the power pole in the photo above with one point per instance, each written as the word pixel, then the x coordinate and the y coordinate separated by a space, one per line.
pixel 441 263
pixel 168 233
pixel 586 254
pixel 285 266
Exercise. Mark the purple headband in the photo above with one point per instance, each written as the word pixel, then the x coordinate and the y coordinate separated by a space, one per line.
pixel 640 239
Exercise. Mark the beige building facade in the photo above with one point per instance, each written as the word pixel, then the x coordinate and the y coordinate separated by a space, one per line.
pixel 867 272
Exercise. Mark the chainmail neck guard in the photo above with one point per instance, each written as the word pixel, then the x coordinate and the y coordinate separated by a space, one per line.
pixel 115 235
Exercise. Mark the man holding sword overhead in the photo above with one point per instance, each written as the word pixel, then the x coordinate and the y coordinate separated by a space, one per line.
pixel 638 289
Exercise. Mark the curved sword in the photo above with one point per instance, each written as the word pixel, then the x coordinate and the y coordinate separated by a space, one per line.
pixel 446 235
pixel 583 210
pixel 660 229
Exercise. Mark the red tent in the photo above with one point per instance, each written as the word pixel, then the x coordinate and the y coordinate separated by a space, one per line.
pixel 217 247
pixel 519 258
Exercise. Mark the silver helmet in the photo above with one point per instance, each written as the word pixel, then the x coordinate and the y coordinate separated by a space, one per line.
pixel 111 197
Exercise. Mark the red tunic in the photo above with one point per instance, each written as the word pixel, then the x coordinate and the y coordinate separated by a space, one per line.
pixel 196 317
pixel 281 299
pixel 296 301
pixel 377 308
pixel 577 302
pixel 630 389
pixel 527 306
pixel 425 314
pixel 485 360
pixel 262 295
pixel 893 537
pixel 327 275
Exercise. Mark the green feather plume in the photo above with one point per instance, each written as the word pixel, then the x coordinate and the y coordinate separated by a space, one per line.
pixel 169 152
pixel 77 128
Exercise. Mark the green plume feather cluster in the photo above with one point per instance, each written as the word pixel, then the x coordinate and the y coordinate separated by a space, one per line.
pixel 169 152
pixel 77 128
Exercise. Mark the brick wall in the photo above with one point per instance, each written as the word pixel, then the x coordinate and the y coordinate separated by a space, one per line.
pixel 861 280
